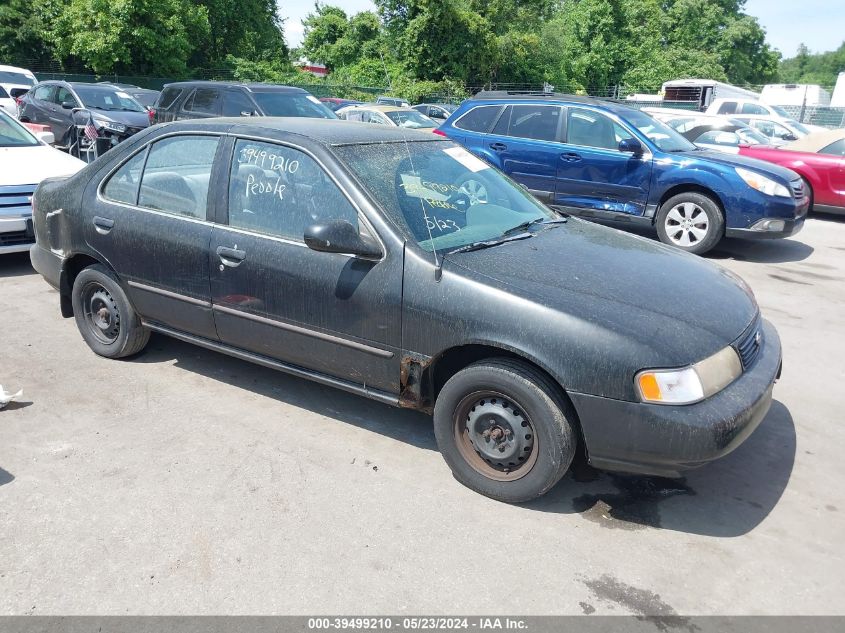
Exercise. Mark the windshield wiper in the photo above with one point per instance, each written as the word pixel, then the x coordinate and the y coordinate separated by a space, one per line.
pixel 530 223
pixel 477 246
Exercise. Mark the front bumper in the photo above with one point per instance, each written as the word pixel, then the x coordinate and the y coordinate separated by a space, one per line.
pixel 792 224
pixel 665 440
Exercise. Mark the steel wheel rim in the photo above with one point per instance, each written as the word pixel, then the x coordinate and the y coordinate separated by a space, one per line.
pixel 687 224
pixel 495 436
pixel 101 314
pixel 475 191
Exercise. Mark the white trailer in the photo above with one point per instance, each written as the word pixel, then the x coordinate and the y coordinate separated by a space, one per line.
pixel 703 91
pixel 838 98
pixel 795 95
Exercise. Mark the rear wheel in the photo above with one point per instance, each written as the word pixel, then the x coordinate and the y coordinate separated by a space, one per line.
pixel 504 430
pixel 690 221
pixel 104 316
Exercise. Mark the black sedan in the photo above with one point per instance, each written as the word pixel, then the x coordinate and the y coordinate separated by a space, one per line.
pixel 355 256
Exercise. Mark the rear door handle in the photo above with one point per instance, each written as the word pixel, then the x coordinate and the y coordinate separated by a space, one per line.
pixel 230 257
pixel 498 147
pixel 103 225
pixel 570 157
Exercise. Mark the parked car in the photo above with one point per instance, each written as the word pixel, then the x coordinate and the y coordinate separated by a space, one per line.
pixel 780 131
pixel 436 111
pixel 346 254
pixel 606 161
pixel 711 132
pixel 334 104
pixel 25 160
pixel 144 96
pixel 393 101
pixel 14 82
pixel 115 114
pixel 751 109
pixel 206 99
pixel 819 159
pixel 387 115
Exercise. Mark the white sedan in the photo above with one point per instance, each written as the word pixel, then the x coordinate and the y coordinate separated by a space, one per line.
pixel 25 160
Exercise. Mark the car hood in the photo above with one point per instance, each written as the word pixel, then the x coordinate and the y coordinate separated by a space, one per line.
pixel 735 160
pixel 624 284
pixel 31 165
pixel 132 119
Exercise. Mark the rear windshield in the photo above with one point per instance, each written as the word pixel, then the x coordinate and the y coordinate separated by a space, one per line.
pixel 109 99
pixel 410 119
pixel 287 104
pixel 439 194
pixel 12 134
pixel 9 77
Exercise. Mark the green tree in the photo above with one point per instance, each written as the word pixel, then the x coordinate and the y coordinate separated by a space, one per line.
pixel 809 68
pixel 250 29
pixel 23 31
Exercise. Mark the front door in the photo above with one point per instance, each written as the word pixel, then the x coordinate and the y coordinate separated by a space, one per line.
pixel 330 313
pixel 593 174
pixel 151 225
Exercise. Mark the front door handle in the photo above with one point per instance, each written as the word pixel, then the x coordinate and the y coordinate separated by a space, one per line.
pixel 230 257
pixel 498 147
pixel 570 157
pixel 103 225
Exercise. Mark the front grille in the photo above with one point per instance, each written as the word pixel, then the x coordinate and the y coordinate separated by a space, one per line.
pixel 748 345
pixel 16 199
pixel 797 187
pixel 16 238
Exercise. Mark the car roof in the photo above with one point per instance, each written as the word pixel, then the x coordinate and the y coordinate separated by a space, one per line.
pixel 253 87
pixel 379 107
pixel 815 141
pixel 505 96
pixel 329 132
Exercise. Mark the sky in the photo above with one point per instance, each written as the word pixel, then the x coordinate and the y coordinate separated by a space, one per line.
pixel 820 24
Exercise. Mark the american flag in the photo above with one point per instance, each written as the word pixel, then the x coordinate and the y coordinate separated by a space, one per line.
pixel 90 130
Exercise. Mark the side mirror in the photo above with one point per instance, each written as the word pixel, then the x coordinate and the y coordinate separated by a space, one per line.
pixel 246 113
pixel 631 146
pixel 339 236
pixel 46 137
pixel 68 105
pixel 789 137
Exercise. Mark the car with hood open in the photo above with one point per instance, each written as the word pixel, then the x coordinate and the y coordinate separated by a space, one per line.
pixel 605 161
pixel 356 256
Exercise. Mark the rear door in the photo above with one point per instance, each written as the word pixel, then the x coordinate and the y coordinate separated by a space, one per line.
pixel 150 222
pixel 526 140
pixel 593 174
pixel 329 313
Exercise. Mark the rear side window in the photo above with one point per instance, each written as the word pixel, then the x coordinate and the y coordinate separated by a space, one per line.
pixel 279 191
pixel 3 93
pixel 728 107
pixel 837 148
pixel 167 97
pixel 123 184
pixel 204 101
pixel 177 175
pixel 236 103
pixel 537 122
pixel 479 119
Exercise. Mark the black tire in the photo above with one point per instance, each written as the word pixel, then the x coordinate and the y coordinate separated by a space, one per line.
pixel 808 188
pixel 104 316
pixel 505 394
pixel 682 217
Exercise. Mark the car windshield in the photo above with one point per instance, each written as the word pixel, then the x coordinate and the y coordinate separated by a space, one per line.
pixel 798 126
pixel 12 134
pixel 292 104
pixel 9 77
pixel 410 119
pixel 109 99
pixel 666 139
pixel 440 195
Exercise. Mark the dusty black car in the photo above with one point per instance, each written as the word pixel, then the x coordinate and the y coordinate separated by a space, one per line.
pixel 353 255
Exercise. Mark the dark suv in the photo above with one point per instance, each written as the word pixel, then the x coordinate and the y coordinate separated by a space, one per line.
pixel 205 99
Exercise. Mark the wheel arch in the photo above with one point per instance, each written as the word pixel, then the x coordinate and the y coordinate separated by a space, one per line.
pixel 72 266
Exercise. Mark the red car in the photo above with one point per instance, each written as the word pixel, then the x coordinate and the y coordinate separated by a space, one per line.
pixel 819 159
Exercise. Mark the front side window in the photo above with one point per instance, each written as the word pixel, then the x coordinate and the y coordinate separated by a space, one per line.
pixel 753 108
pixel 177 175
pixel 167 97
pixel 63 95
pixel 204 101
pixel 439 194
pixel 123 184
pixel 236 103
pixel 479 119
pixel 279 191
pixel 588 128
pixel 728 107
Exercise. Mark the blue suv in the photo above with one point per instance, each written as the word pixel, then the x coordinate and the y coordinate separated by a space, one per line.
pixel 602 160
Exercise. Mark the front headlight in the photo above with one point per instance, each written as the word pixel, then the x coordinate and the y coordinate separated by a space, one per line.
pixel 762 184
pixel 689 384
pixel 111 126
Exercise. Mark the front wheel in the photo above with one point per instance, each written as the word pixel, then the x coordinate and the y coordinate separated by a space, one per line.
pixel 504 430
pixel 690 221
